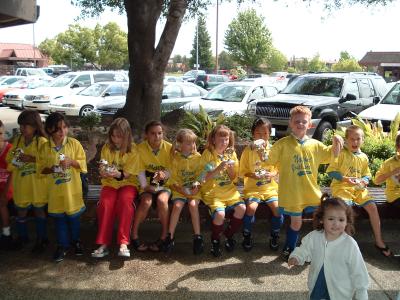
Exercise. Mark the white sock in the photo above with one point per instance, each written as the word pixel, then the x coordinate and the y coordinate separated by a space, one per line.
pixel 6 231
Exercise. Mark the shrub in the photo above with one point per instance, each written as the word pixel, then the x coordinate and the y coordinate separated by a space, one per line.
pixel 90 121
pixel 241 125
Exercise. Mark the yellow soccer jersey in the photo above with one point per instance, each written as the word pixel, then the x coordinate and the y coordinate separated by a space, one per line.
pixel 258 188
pixel 220 188
pixel 127 162
pixel 184 172
pixel 350 165
pixel 64 189
pixel 297 163
pixel 151 162
pixel 29 187
pixel 392 189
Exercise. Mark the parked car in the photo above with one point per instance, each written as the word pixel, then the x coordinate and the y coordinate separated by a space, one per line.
pixel 8 80
pixel 67 84
pixel 174 96
pixel 32 72
pixel 191 75
pixel 209 81
pixel 232 97
pixel 172 79
pixel 83 102
pixel 334 98
pixel 386 110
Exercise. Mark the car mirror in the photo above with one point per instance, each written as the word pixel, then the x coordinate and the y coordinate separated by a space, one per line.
pixel 106 94
pixel 74 85
pixel 200 83
pixel 164 97
pixel 251 100
pixel 376 100
pixel 349 97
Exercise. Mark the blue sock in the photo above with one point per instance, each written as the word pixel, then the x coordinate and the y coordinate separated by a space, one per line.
pixel 22 228
pixel 247 223
pixel 276 223
pixel 62 231
pixel 291 238
pixel 41 228
pixel 75 227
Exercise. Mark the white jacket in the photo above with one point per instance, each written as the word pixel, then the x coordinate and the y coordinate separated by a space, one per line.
pixel 345 272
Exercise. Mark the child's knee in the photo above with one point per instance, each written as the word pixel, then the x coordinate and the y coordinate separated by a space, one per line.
pixel 193 204
pixel 178 205
pixel 240 210
pixel 218 216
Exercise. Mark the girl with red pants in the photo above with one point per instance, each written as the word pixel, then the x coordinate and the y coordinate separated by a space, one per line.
pixel 118 171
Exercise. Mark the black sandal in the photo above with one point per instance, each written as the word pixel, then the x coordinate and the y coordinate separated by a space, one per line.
pixel 382 250
pixel 157 246
pixel 138 246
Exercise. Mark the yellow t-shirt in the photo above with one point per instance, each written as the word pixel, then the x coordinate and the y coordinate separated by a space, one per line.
pixel 258 188
pixel 220 188
pixel 151 162
pixel 64 189
pixel 184 172
pixel 350 165
pixel 297 163
pixel 127 162
pixel 29 187
pixel 392 189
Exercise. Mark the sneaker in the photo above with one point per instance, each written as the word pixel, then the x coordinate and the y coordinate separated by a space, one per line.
pixel 168 244
pixel 248 242
pixel 40 246
pixel 100 252
pixel 198 244
pixel 286 253
pixel 215 248
pixel 274 242
pixel 230 244
pixel 124 251
pixel 78 248
pixel 60 254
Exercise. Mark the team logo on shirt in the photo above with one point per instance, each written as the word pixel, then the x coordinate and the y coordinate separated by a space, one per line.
pixel 27 169
pixel 301 165
pixel 63 177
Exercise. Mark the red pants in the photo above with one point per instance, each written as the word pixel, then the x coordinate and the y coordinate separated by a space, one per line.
pixel 115 203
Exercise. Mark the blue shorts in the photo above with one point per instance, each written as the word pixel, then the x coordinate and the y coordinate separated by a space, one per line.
pixel 258 200
pixel 306 210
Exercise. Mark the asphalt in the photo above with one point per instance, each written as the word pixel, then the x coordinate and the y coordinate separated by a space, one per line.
pixel 259 274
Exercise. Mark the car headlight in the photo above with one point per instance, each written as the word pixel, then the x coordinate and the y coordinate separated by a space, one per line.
pixel 68 105
pixel 252 108
pixel 42 97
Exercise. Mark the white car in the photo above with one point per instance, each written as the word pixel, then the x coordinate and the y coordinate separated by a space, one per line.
pixel 68 84
pixel 82 103
pixel 386 109
pixel 232 97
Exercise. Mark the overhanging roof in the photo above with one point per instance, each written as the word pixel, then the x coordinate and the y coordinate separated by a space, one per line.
pixel 377 58
pixel 18 12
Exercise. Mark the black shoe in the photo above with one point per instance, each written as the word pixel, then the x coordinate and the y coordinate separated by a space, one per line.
pixel 6 242
pixel 168 244
pixel 286 253
pixel 60 254
pixel 198 244
pixel 40 246
pixel 215 248
pixel 230 244
pixel 78 248
pixel 274 242
pixel 247 243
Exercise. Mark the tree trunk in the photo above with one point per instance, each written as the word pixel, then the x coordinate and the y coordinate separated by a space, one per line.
pixel 146 78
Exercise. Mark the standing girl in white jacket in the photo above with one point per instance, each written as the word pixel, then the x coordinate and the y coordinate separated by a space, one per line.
pixel 337 269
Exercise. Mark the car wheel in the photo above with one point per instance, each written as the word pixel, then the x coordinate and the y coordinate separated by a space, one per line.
pixel 321 133
pixel 85 110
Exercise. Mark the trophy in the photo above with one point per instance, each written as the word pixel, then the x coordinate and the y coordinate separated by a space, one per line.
pixel 188 188
pixel 259 145
pixel 207 168
pixel 106 167
pixel 261 172
pixel 227 156
pixel 59 169
pixel 16 159
pixel 359 184
pixel 156 183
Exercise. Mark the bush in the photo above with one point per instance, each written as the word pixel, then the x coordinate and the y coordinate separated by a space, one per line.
pixel 90 121
pixel 241 125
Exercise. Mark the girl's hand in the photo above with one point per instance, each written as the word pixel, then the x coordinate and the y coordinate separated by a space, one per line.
pixel 66 163
pixel 26 158
pixel 292 262
pixel 350 180
pixel 337 144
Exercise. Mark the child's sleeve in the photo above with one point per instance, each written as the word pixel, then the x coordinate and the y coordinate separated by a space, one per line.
pixel 325 153
pixel 174 173
pixel 383 169
pixel 274 154
pixel 9 158
pixel 303 252
pixel 132 165
pixel 366 172
pixel 359 273
pixel 80 157
pixel 42 159
pixel 244 167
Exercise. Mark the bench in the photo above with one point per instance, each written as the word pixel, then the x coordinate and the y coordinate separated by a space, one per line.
pixel 385 210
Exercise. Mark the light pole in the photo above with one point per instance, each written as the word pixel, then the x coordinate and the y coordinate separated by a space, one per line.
pixel 197 46
pixel 216 44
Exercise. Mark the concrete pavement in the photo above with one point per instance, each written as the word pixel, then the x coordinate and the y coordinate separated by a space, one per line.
pixel 259 274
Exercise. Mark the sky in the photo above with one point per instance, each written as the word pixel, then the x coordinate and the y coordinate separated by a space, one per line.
pixel 297 29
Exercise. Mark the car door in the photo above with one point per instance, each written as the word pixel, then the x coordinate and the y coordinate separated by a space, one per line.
pixel 347 104
pixel 171 97
pixel 367 92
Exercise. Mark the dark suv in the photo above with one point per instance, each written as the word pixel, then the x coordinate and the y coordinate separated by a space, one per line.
pixel 334 98
pixel 208 81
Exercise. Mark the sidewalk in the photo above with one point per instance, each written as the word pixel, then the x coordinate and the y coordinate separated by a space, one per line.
pixel 259 274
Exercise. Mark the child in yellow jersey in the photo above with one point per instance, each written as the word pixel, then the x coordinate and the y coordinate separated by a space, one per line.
pixel 297 158
pixel 259 183
pixel 351 175
pixel 154 160
pixel 118 170
pixel 389 172
pixel 185 187
pixel 62 159
pixel 29 188
pixel 220 168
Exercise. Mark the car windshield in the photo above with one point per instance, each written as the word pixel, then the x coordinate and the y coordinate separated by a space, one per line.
pixel 393 96
pixel 94 90
pixel 318 86
pixel 232 93
pixel 39 72
pixel 63 80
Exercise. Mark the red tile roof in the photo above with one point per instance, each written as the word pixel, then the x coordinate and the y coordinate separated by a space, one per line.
pixel 19 51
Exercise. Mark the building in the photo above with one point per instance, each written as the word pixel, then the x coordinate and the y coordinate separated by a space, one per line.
pixel 387 64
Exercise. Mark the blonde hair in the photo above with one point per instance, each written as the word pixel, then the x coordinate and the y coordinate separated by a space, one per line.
pixel 300 110
pixel 122 126
pixel 181 136
pixel 353 128
pixel 220 130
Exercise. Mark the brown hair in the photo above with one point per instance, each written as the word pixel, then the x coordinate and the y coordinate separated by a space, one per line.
pixel 152 124
pixel 261 122
pixel 300 110
pixel 353 128
pixel 220 130
pixel 51 123
pixel 336 203
pixel 122 126
pixel 32 118
pixel 181 136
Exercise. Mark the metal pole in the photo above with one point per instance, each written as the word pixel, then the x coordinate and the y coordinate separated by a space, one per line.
pixel 197 45
pixel 34 45
pixel 216 45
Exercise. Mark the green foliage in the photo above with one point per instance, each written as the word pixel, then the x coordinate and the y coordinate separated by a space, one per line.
pixel 376 148
pixel 347 65
pixel 248 40
pixel 90 121
pixel 316 65
pixel 205 54
pixel 277 61
pixel 241 125
pixel 225 61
